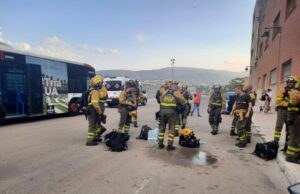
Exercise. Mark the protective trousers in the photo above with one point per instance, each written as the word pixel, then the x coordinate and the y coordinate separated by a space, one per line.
pixel 167 118
pixel 241 128
pixel 177 122
pixel 293 150
pixel 185 115
pixel 233 124
pixel 93 124
pixel 281 119
pixel 215 118
pixel 248 127
pixel 125 120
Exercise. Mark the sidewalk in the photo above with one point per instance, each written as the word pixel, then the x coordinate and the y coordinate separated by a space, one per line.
pixel 264 124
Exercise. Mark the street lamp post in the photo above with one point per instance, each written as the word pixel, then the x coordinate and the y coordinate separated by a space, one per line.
pixel 172 64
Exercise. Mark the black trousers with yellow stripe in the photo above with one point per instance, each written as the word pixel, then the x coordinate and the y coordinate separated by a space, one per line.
pixel 167 118
pixel 282 114
pixel 293 150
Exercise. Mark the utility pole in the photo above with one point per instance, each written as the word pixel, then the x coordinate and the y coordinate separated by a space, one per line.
pixel 172 65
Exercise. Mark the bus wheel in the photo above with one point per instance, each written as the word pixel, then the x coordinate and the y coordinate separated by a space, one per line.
pixel 73 108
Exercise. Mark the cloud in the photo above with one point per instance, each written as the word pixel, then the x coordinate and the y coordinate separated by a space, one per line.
pixel 100 51
pixel 1 37
pixel 114 51
pixel 141 37
pixel 53 46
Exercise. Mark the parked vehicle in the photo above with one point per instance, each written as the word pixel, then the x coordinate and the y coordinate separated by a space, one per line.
pixel 34 85
pixel 230 99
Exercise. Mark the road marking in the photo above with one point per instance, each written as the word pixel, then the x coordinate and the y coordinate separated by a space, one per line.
pixel 144 184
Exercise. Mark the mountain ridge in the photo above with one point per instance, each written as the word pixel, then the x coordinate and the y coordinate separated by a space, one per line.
pixel 189 74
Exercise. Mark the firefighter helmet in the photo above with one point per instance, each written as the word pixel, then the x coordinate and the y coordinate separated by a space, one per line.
pixel 217 86
pixel 96 80
pixel 292 79
pixel 186 132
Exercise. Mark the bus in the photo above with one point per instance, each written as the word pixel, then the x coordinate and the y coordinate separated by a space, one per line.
pixel 33 85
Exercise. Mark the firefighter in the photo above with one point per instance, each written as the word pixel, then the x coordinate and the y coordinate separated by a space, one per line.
pixel 180 109
pixel 127 108
pixel 162 89
pixel 249 91
pixel 293 119
pixel 233 124
pixel 102 100
pixel 188 96
pixel 242 109
pixel 168 112
pixel 216 106
pixel 137 94
pixel 93 110
pixel 282 102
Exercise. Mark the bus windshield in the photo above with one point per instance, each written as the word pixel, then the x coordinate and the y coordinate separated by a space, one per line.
pixel 113 85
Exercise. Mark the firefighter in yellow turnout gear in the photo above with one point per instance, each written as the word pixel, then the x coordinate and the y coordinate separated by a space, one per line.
pixel 102 100
pixel 252 96
pixel 293 150
pixel 168 112
pixel 94 112
pixel 282 103
pixel 127 108
pixel 216 106
pixel 188 96
pixel 242 110
pixel 137 94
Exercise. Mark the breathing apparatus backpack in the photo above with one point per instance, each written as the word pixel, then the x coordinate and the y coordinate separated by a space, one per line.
pixel 266 151
pixel 188 139
pixel 144 132
pixel 116 141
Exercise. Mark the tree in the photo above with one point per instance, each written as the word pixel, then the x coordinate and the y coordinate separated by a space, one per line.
pixel 233 84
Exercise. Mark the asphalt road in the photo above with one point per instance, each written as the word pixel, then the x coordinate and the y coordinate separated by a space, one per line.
pixel 50 156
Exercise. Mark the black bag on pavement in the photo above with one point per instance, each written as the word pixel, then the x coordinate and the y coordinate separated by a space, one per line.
pixel 266 151
pixel 189 141
pixel 144 132
pixel 116 141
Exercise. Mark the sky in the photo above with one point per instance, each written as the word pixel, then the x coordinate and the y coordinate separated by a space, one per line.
pixel 133 34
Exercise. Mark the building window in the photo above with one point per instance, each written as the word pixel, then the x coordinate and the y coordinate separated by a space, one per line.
pixel 273 78
pixel 260 49
pixel 286 70
pixel 290 6
pixel 266 42
pixel 259 83
pixel 276 25
pixel 265 81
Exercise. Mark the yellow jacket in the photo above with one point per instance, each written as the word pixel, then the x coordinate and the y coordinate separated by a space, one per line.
pixel 94 100
pixel 123 99
pixel 282 98
pixel 103 94
pixel 295 97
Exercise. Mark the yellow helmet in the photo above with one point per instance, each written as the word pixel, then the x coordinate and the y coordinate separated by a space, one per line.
pixel 96 80
pixel 186 132
pixel 292 78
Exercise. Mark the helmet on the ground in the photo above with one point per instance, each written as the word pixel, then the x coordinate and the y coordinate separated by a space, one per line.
pixel 96 80
pixel 186 132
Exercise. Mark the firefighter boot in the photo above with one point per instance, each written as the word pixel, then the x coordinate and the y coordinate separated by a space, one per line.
pixel 170 148
pixel 91 143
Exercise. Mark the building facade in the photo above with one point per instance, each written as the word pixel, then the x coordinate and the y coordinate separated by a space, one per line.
pixel 275 48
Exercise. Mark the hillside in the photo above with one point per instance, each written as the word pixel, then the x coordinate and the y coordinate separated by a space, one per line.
pixel 191 75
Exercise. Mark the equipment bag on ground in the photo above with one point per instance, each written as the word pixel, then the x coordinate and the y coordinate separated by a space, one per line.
pixel 188 139
pixel 266 151
pixel 144 132
pixel 116 141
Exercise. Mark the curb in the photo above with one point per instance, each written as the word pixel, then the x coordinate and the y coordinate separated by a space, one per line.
pixel 280 159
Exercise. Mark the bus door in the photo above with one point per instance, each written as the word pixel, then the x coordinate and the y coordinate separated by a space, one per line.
pixel 13 88
pixel 35 91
